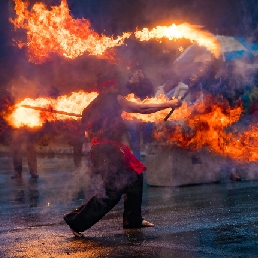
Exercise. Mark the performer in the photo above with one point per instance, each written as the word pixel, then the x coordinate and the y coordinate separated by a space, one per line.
pixel 111 159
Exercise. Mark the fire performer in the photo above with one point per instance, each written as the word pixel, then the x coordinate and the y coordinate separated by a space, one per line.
pixel 110 158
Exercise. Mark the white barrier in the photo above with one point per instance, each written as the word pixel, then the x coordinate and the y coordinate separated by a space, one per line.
pixel 176 166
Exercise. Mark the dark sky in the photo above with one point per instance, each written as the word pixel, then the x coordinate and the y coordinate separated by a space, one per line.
pixel 222 16
pixel 112 17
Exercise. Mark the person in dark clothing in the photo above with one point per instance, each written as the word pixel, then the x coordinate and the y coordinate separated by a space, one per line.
pixel 6 107
pixel 110 158
pixel 77 143
pixel 27 138
pixel 16 138
pixel 142 88
pixel 139 85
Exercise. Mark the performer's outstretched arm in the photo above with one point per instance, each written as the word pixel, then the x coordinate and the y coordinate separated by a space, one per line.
pixel 133 107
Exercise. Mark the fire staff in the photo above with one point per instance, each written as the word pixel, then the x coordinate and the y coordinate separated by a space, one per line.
pixel 112 159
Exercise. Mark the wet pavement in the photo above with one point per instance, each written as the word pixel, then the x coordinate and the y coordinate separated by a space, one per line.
pixel 209 220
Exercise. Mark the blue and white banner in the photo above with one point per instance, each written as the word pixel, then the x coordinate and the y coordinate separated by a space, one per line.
pixel 231 48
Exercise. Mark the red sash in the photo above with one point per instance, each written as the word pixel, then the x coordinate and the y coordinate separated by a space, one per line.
pixel 130 161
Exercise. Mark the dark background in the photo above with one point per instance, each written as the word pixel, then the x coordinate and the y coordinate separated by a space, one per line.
pixel 112 17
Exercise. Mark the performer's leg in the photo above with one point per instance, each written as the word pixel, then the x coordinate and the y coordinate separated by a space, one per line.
pixel 107 162
pixel 17 162
pixel 32 159
pixel 91 212
pixel 132 216
pixel 16 147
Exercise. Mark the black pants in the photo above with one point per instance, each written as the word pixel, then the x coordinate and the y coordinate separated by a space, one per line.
pixel 117 180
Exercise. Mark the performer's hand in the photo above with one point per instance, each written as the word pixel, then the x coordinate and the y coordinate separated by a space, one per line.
pixel 175 103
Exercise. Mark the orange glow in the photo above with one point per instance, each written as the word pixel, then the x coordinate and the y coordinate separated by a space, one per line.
pixel 75 103
pixel 54 31
pixel 207 124
pixel 185 30
pixel 206 127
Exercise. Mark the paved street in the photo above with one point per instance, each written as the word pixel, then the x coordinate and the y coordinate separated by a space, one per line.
pixel 210 220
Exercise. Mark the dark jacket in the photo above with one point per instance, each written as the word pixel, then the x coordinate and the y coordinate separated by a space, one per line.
pixel 142 89
pixel 102 117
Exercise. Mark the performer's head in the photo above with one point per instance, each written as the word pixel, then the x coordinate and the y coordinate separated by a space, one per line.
pixel 106 84
pixel 137 70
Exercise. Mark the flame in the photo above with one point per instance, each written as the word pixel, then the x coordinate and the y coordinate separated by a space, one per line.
pixel 211 125
pixel 75 103
pixel 55 31
pixel 207 124
pixel 185 30
pixel 42 109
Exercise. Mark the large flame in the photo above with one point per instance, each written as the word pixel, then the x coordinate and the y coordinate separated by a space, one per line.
pixel 55 31
pixel 212 124
pixel 34 112
pixel 30 117
pixel 209 124
pixel 185 30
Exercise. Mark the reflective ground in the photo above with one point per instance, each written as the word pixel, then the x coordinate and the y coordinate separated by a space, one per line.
pixel 212 220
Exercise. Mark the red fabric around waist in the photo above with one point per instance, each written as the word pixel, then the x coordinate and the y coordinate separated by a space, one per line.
pixel 130 161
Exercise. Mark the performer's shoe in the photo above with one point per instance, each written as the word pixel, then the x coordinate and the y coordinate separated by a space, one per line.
pixel 144 224
pixel 76 233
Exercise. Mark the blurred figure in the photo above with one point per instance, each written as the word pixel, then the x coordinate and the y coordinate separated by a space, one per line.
pixel 6 107
pixel 169 88
pixel 81 148
pixel 24 139
pixel 16 138
pixel 77 144
pixel 142 88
